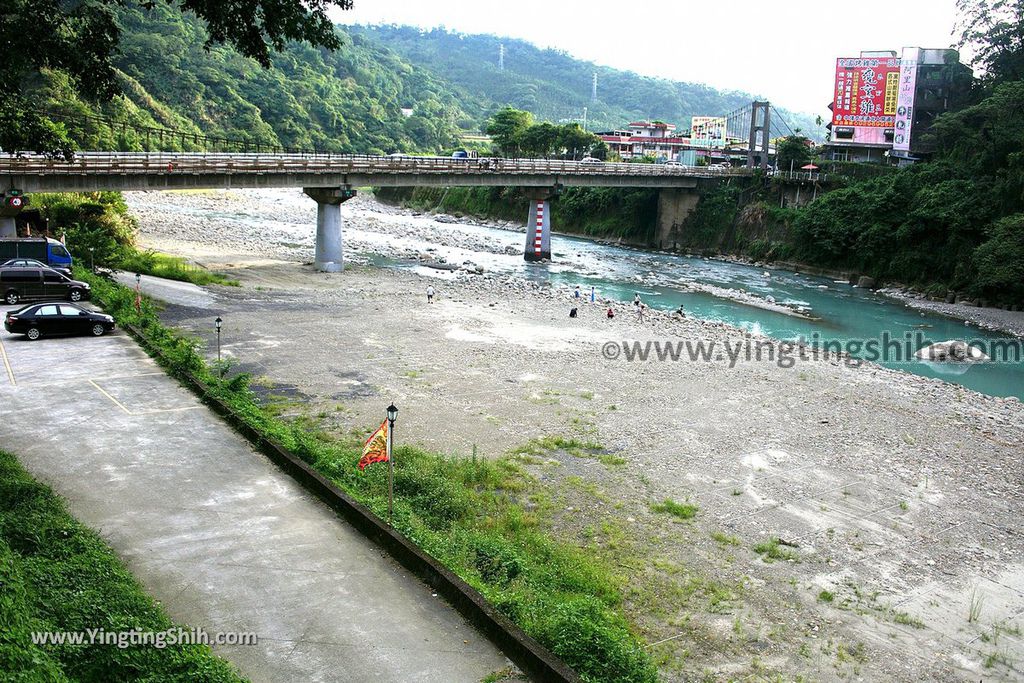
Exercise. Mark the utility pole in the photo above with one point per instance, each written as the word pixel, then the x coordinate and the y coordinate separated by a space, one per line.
pixel 593 88
pixel 584 118
pixel 501 57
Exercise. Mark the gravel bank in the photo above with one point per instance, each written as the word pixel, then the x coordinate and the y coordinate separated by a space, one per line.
pixel 897 495
pixel 1011 322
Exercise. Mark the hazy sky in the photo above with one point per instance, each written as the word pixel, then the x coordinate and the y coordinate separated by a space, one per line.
pixel 784 50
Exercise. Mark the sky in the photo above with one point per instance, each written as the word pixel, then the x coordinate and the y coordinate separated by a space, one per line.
pixel 782 50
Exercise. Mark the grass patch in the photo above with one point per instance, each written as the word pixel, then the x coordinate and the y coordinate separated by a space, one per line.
pixel 579 449
pixel 465 512
pixel 724 539
pixel 907 620
pixel 172 268
pixel 680 510
pixel 773 549
pixel 58 575
pixel 826 596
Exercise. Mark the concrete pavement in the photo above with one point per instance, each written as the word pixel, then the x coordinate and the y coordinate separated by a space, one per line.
pixel 213 530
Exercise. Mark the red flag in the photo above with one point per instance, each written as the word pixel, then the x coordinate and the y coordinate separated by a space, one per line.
pixel 376 447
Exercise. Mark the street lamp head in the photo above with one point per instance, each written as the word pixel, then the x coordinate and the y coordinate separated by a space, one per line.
pixel 218 321
pixel 138 277
pixel 392 413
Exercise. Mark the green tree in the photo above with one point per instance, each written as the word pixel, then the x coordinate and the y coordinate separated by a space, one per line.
pixel 1000 260
pixel 540 139
pixel 793 151
pixel 575 141
pixel 506 129
pixel 995 30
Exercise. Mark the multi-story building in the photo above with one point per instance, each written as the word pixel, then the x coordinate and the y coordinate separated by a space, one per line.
pixel 655 138
pixel 884 104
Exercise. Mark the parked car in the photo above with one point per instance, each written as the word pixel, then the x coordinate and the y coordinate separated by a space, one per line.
pixel 673 163
pixel 591 160
pixel 39 283
pixel 32 263
pixel 44 249
pixel 56 318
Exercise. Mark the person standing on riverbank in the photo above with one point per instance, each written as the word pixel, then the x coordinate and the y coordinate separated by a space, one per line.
pixel 430 294
pixel 636 299
pixel 640 312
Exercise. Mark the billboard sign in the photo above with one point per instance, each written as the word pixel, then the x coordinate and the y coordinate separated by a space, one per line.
pixel 866 92
pixel 905 100
pixel 708 131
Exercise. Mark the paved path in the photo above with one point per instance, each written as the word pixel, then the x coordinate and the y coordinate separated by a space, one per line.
pixel 171 291
pixel 215 531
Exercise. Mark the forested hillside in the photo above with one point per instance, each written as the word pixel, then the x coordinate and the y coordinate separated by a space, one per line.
pixel 352 99
pixel 555 86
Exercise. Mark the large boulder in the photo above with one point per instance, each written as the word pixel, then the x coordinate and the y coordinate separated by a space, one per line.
pixel 952 351
pixel 865 282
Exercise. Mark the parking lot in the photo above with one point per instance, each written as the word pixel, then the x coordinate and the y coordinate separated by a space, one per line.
pixel 215 532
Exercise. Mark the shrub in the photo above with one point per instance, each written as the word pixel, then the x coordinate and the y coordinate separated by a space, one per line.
pixel 597 642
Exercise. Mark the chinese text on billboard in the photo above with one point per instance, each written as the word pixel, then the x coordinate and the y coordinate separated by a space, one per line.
pixel 866 91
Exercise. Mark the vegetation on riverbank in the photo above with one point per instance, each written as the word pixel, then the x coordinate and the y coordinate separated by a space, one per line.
pixel 99 231
pixel 601 212
pixel 468 513
pixel 56 575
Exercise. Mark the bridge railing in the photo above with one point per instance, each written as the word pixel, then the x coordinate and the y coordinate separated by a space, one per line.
pixel 812 176
pixel 151 163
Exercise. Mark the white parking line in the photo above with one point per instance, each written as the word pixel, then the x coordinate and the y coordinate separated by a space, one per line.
pixel 116 402
pixel 141 412
pixel 7 364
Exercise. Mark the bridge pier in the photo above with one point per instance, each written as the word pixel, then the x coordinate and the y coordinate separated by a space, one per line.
pixel 329 251
pixel 674 206
pixel 7 227
pixel 538 224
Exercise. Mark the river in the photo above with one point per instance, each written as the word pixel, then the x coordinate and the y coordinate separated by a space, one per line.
pixel 843 315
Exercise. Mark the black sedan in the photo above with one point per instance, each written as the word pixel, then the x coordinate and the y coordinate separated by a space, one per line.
pixel 37 320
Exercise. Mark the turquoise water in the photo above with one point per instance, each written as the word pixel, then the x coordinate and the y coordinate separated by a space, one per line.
pixel 844 314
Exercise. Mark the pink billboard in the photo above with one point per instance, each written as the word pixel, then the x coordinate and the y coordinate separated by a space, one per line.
pixel 865 92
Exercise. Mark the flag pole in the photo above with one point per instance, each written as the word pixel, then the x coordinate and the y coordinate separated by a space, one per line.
pixel 392 415
pixel 391 476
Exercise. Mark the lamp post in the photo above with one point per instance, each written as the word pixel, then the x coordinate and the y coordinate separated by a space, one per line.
pixel 138 281
pixel 392 416
pixel 218 322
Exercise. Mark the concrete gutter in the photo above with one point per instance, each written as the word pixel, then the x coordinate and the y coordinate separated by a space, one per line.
pixel 534 659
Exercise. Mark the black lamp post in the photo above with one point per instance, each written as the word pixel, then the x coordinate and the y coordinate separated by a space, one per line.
pixel 392 416
pixel 218 322
pixel 138 281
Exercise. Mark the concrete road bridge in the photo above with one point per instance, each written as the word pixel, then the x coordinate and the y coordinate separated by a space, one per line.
pixel 331 179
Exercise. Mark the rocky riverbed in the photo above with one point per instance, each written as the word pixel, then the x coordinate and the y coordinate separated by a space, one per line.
pixel 852 522
pixel 1011 322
